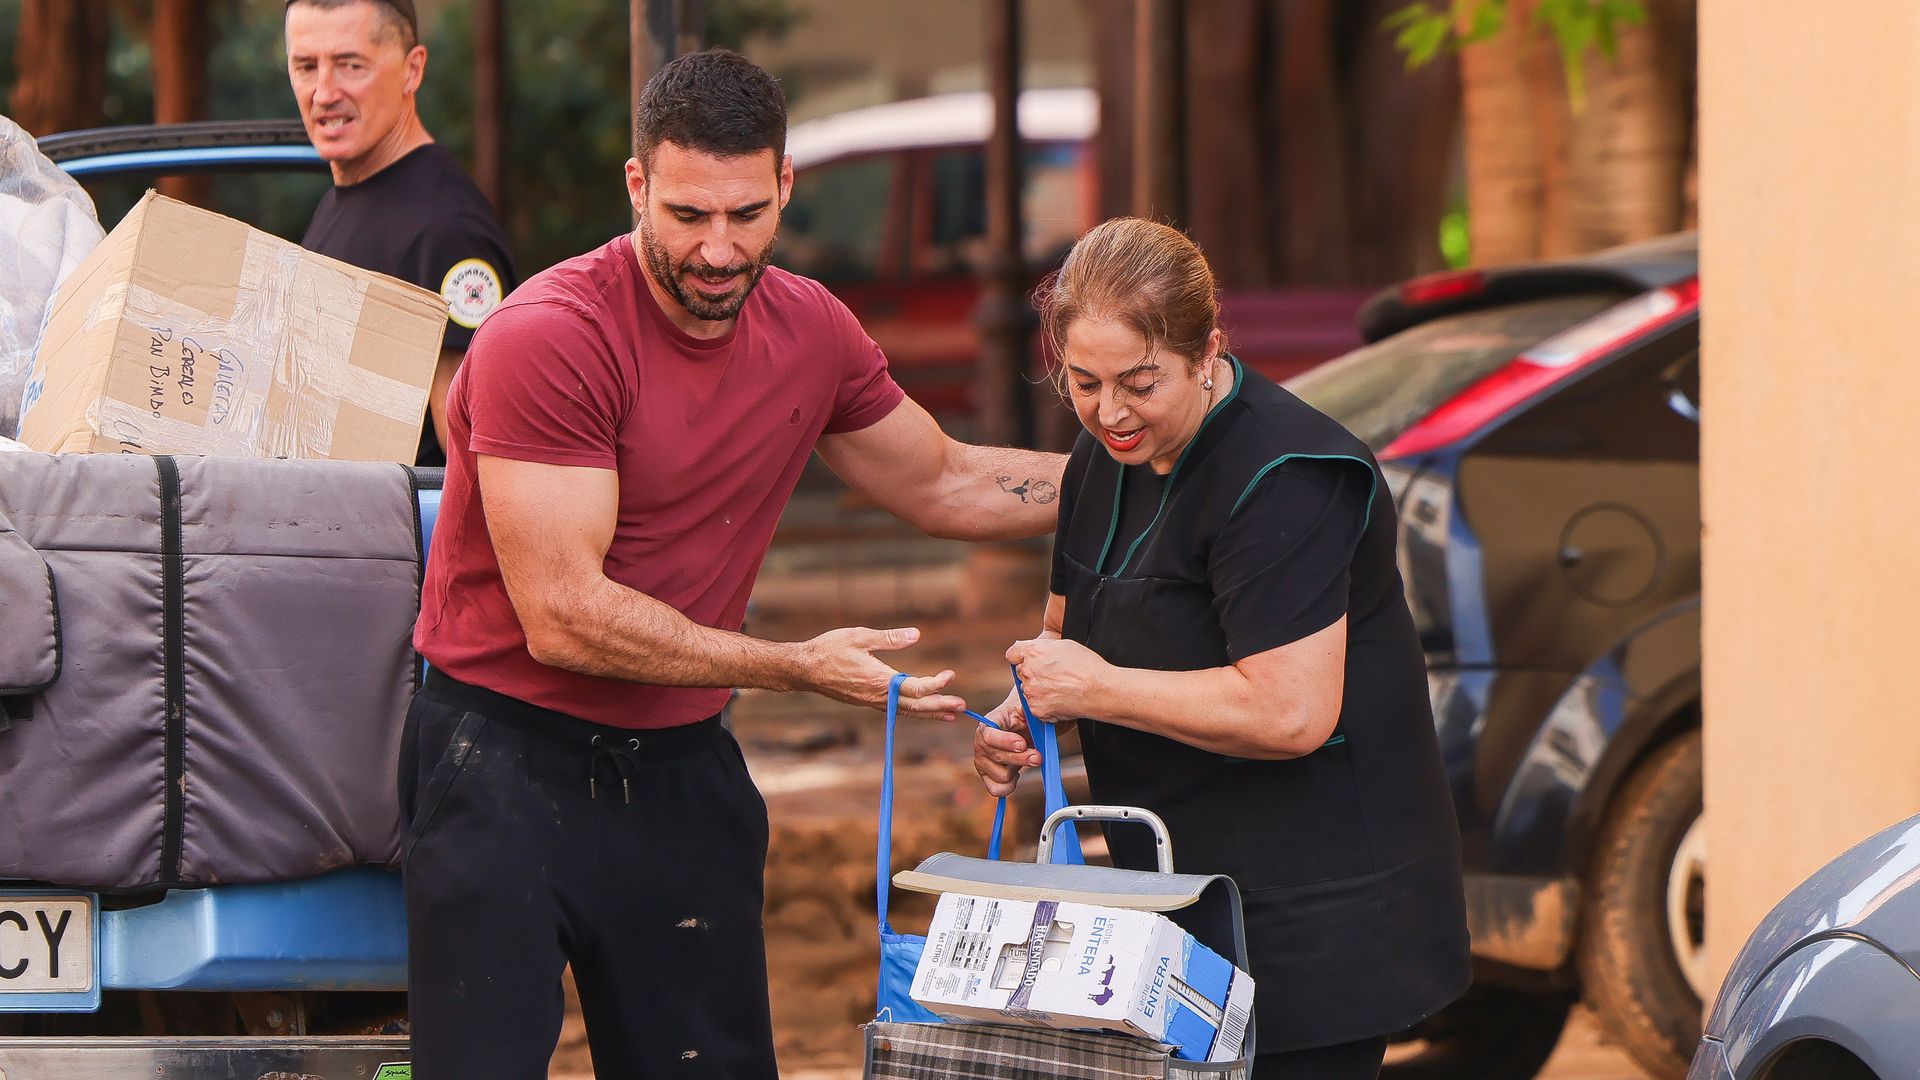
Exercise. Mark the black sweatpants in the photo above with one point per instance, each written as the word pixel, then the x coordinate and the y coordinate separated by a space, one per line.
pixel 537 839
pixel 1358 1060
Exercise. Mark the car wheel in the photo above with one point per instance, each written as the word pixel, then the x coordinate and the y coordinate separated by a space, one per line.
pixel 1490 1034
pixel 1642 946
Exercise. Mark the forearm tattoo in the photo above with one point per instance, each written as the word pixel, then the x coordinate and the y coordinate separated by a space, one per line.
pixel 1029 490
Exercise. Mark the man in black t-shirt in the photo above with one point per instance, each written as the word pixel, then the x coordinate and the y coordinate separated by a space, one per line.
pixel 400 203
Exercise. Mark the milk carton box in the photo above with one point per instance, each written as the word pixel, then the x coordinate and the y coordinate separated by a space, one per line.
pixel 1060 964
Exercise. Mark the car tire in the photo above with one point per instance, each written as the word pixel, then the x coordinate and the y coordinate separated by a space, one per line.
pixel 1630 964
pixel 1490 1034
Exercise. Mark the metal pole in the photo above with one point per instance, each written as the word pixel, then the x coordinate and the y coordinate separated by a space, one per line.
pixel 1003 318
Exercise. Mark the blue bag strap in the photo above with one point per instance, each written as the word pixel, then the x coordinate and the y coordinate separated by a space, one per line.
pixel 1054 790
pixel 884 856
pixel 1000 808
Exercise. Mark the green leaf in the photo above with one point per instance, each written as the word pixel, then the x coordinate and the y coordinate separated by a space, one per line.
pixel 1485 23
pixel 1631 12
pixel 1577 26
pixel 1423 42
pixel 1576 66
pixel 1604 38
pixel 1613 14
pixel 1412 13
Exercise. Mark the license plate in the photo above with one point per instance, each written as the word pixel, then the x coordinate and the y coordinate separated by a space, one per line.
pixel 47 950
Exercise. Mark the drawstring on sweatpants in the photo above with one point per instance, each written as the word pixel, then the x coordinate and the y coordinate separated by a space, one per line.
pixel 623 764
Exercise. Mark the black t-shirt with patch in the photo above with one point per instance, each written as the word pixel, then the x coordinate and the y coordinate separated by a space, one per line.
pixel 422 219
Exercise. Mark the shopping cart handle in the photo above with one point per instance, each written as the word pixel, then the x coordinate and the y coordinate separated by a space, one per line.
pixel 1162 840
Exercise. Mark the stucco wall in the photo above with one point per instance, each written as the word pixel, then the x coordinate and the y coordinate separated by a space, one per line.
pixel 1810 168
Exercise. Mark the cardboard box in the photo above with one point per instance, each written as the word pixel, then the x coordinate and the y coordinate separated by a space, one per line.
pixel 186 332
pixel 1050 963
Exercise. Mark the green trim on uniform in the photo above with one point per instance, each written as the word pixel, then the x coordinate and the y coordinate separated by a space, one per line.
pixel 1173 475
pixel 1113 526
pixel 1373 479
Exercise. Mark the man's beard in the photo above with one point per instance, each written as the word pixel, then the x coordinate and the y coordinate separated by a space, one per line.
pixel 698 304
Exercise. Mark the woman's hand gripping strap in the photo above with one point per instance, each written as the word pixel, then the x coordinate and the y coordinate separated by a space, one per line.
pixel 1047 741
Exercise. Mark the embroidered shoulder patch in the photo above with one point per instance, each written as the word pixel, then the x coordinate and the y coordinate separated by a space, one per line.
pixel 472 289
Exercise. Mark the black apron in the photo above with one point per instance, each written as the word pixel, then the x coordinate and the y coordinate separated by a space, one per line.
pixel 1348 858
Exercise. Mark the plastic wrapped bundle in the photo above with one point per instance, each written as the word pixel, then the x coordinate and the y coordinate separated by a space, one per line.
pixel 47 225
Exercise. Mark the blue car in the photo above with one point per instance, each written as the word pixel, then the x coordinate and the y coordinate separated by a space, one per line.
pixel 301 978
pixel 1828 986
pixel 1540 431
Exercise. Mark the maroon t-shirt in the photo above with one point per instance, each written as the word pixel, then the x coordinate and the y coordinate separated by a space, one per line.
pixel 580 367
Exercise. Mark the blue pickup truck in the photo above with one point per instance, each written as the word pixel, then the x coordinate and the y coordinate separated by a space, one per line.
pixel 298 979
pixel 302 979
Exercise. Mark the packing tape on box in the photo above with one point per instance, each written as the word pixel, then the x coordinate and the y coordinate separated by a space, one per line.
pixel 325 374
pixel 307 431
pixel 292 326
pixel 201 362
pixel 323 346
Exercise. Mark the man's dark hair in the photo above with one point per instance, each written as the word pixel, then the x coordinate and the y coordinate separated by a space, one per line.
pixel 396 16
pixel 717 102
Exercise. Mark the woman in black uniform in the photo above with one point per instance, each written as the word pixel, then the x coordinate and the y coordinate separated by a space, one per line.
pixel 1226 622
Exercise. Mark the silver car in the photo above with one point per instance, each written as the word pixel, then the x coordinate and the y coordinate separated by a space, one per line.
pixel 1828 986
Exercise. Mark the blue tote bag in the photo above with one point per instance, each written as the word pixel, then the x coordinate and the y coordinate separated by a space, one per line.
pixel 900 953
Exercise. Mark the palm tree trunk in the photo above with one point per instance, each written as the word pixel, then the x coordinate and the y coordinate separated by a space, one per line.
pixel 1546 181
pixel 1631 150
pixel 1506 181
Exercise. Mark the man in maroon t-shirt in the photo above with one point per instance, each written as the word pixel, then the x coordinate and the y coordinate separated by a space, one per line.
pixel 625 432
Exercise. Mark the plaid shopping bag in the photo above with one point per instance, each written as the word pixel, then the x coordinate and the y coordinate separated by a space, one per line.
pixel 1000 1052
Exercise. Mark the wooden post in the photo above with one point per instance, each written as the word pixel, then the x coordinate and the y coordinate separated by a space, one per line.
pixel 61 61
pixel 1113 76
pixel 1004 578
pixel 1223 163
pixel 1159 147
pixel 179 43
pixel 658 31
pixel 640 66
pixel 690 26
pixel 490 102
pixel 1003 318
